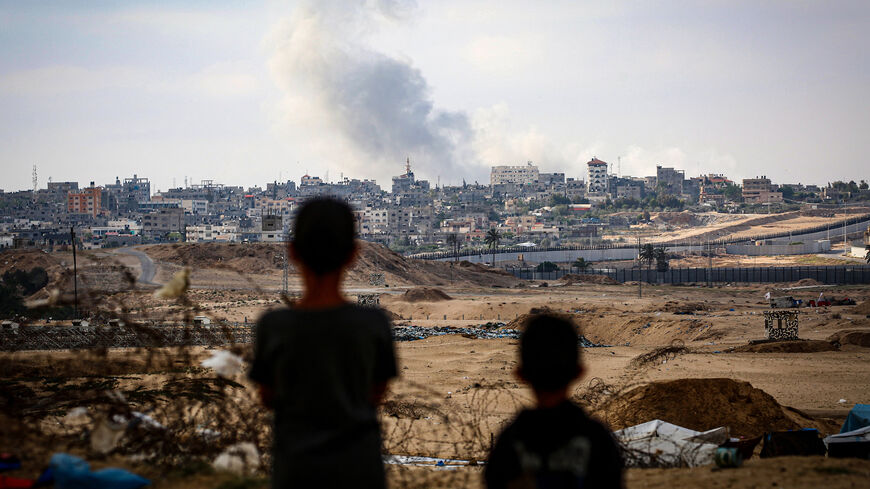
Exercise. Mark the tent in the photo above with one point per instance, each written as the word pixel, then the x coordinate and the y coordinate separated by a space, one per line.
pixel 858 417
pixel 660 444
pixel 854 443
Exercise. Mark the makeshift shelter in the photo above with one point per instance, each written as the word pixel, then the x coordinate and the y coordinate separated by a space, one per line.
pixel 794 442
pixel 858 417
pixel 854 443
pixel 661 444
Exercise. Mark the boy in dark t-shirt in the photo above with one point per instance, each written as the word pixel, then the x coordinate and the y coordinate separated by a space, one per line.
pixel 555 445
pixel 323 365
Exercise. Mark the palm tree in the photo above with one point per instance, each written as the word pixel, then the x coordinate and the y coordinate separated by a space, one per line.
pixel 453 241
pixel 581 264
pixel 661 258
pixel 492 239
pixel 647 254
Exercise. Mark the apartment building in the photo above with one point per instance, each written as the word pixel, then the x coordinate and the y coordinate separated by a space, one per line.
pixel 521 175
pixel 760 191
pixel 86 201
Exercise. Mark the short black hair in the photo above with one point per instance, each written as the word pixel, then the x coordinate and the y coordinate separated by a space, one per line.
pixel 323 234
pixel 549 353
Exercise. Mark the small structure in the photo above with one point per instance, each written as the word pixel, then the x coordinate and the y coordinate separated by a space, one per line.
pixel 368 299
pixel 376 279
pixel 781 325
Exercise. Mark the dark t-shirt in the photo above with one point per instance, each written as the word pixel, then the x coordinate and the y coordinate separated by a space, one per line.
pixel 552 448
pixel 322 366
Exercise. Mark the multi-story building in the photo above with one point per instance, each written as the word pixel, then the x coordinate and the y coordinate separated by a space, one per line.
pixel 87 201
pixel 210 232
pixel 163 222
pixel 669 180
pixel 596 176
pixel 760 191
pixel 521 175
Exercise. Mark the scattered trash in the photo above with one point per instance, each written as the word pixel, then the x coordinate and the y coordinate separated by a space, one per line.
pixel 412 333
pixel 108 434
pixel 75 414
pixel 419 461
pixel 237 459
pixel 71 472
pixel 9 462
pixel 661 444
pixel 224 363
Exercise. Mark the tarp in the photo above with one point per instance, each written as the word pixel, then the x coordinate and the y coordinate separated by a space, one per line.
pixel 796 442
pixel 661 444
pixel 527 244
pixel 858 417
pixel 854 443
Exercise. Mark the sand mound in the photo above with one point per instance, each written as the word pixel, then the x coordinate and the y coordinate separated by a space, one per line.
pixel 862 308
pixel 373 258
pixel 699 404
pixel 805 282
pixel 425 294
pixel 851 337
pixel 522 319
pixel 573 278
pixel 678 307
pixel 792 346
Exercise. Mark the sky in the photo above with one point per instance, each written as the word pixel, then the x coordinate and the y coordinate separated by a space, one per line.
pixel 245 93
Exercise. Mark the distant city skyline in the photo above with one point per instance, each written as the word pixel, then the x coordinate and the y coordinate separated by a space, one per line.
pixel 244 94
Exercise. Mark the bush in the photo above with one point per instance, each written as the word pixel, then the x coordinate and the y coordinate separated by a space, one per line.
pixel 547 266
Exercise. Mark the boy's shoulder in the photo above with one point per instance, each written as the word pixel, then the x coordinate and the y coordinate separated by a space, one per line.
pixel 284 316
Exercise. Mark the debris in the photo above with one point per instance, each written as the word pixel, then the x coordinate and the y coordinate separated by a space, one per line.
pixel 75 414
pixel 660 444
pixel 108 434
pixel 411 333
pixel 795 442
pixel 224 363
pixel 71 472
pixel 238 459
pixel 425 294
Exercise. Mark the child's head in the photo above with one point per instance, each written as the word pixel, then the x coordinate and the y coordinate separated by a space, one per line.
pixel 323 235
pixel 549 356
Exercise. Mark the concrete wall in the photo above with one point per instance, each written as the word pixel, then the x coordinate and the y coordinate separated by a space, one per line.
pixel 779 248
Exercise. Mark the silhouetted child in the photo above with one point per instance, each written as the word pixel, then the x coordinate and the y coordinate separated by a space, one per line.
pixel 323 365
pixel 554 445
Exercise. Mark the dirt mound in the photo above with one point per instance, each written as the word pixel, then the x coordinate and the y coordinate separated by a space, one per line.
pixel 678 307
pixel 573 278
pixel 425 294
pixel 29 259
pixel 400 270
pixel 373 259
pixel 806 282
pixel 245 258
pixel 699 404
pixel 851 337
pixel 522 319
pixel 684 218
pixel 862 308
pixel 791 346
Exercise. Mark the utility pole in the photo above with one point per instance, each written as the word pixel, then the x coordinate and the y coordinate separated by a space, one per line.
pixel 709 265
pixel 639 271
pixel 72 237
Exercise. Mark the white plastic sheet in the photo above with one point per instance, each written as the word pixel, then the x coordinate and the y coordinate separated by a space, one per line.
pixel 661 444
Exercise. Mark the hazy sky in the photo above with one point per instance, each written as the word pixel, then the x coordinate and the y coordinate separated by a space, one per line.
pixel 245 93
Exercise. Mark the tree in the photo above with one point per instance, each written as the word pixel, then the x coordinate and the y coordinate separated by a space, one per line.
pixel 661 257
pixel 492 239
pixel 647 254
pixel 581 264
pixel 733 192
pixel 453 241
pixel 547 266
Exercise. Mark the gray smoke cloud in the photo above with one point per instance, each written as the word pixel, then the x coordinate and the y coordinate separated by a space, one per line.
pixel 359 108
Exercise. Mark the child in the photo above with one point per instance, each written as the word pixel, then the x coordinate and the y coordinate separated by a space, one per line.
pixel 323 365
pixel 554 445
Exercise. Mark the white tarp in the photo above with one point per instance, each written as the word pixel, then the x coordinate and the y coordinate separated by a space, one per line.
pixel 527 244
pixel 660 444
pixel 859 435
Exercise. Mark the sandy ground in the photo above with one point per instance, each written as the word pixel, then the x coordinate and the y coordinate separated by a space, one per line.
pixel 454 393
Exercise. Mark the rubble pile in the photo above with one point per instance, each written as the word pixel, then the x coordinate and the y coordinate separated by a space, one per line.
pixel 412 333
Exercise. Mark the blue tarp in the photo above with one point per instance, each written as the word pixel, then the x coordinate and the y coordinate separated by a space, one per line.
pixel 858 418
pixel 71 472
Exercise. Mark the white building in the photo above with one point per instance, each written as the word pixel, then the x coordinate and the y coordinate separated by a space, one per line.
pixel 521 175
pixel 596 177
pixel 210 232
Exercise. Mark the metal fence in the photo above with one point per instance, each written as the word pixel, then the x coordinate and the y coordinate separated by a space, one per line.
pixel 85 337
pixel 858 274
